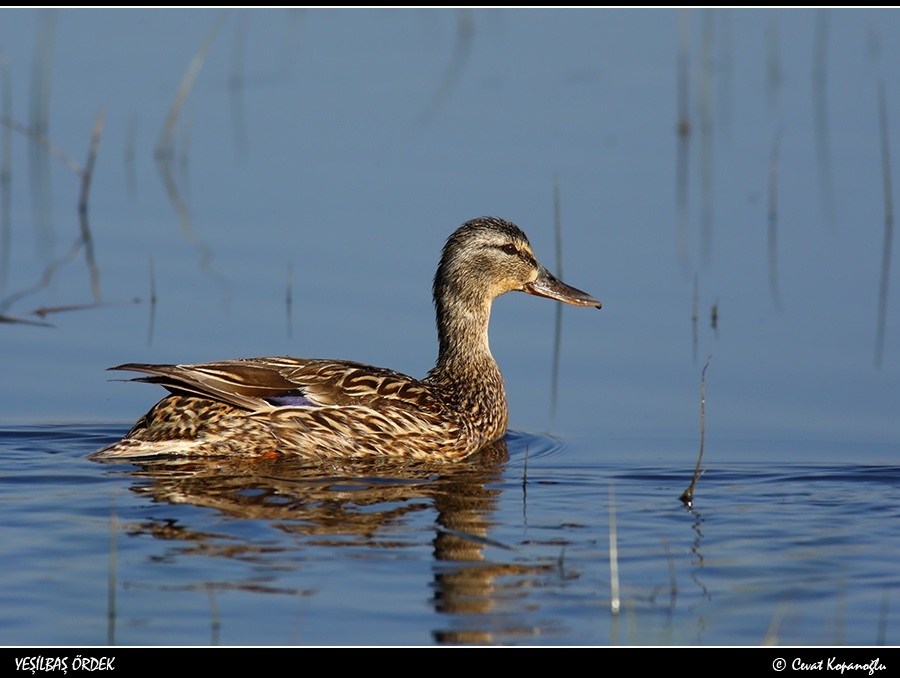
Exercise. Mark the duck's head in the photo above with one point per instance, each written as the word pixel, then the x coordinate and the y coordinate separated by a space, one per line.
pixel 487 257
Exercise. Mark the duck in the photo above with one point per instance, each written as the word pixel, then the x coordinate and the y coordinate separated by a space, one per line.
pixel 338 409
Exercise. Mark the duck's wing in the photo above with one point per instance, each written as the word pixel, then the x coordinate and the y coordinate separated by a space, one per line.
pixel 264 384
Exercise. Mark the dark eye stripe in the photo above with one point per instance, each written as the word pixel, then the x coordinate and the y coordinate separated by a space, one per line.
pixel 512 250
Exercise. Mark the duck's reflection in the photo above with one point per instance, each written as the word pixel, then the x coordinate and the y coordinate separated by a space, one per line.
pixel 328 504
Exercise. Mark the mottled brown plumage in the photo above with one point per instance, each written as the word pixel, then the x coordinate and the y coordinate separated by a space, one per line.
pixel 332 408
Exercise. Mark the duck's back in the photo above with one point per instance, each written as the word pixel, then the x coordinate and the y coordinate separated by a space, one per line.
pixel 316 408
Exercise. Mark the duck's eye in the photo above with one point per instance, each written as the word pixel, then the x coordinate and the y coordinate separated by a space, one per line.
pixel 509 248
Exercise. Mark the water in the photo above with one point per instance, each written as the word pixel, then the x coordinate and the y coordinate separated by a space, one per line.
pixel 511 551
pixel 325 156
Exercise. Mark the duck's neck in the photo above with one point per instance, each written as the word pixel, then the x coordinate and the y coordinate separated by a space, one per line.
pixel 462 337
pixel 465 370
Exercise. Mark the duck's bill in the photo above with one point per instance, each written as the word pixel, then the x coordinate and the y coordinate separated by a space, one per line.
pixel 548 285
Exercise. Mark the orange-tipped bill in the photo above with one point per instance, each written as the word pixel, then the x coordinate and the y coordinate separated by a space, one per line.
pixel 548 285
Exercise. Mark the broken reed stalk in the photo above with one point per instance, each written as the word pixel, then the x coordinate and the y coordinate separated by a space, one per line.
pixel 22 321
pixel 111 578
pixel 289 301
pixel 236 88
pixel 128 156
pixel 465 36
pixel 152 324
pixel 84 240
pixel 5 175
pixel 683 60
pixel 51 268
pixel 615 601
pixel 165 156
pixel 557 326
pixel 86 176
pixel 88 171
pixel 888 229
pixel 44 311
pixel 773 222
pixel 43 141
pixel 683 131
pixel 820 119
pixel 687 497
pixel 164 145
pixel 694 318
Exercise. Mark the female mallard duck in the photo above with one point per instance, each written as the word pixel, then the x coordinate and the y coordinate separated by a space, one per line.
pixel 341 409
